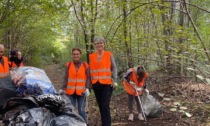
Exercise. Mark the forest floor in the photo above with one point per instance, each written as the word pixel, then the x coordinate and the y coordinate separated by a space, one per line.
pixel 184 103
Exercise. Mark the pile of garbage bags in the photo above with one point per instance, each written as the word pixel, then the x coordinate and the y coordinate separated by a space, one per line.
pixel 28 98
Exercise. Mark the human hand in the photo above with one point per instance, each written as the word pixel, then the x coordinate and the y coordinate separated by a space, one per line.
pixel 147 91
pixel 132 83
pixel 61 92
pixel 114 85
pixel 87 92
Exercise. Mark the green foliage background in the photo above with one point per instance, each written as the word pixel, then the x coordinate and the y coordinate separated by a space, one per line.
pixel 142 32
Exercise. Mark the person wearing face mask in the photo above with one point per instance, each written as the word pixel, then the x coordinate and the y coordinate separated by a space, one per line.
pixel 16 59
pixel 4 63
pixel 102 67
pixel 77 81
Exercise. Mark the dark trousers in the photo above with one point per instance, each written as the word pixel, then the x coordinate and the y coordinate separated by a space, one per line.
pixel 130 103
pixel 103 95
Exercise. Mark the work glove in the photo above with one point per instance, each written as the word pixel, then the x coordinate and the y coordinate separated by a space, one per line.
pixel 132 83
pixel 138 89
pixel 114 85
pixel 147 91
pixel 87 92
pixel 61 92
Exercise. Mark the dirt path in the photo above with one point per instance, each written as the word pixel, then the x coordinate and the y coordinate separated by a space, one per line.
pixel 56 74
pixel 185 95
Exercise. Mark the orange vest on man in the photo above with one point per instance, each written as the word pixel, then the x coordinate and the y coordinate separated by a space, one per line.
pixel 129 88
pixel 101 71
pixel 76 80
pixel 13 65
pixel 4 69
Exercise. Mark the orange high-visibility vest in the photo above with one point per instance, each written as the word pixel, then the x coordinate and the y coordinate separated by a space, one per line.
pixel 4 70
pixel 76 80
pixel 129 88
pixel 13 65
pixel 101 71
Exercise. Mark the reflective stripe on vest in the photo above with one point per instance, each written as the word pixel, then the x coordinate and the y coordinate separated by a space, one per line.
pixel 101 71
pixel 101 77
pixel 76 87
pixel 4 70
pixel 76 79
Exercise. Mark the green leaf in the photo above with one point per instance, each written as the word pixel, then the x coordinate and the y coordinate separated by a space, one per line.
pixel 188 114
pixel 191 69
pixel 183 108
pixel 173 109
pixel 208 80
pixel 166 99
pixel 161 94
pixel 176 103
pixel 181 111
pixel 199 77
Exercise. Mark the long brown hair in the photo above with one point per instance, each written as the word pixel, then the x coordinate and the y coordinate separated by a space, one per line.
pixel 140 73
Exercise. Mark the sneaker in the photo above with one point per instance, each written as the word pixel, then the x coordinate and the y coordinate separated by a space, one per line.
pixel 130 118
pixel 140 116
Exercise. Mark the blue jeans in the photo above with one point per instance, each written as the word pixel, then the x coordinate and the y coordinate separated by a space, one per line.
pixel 81 100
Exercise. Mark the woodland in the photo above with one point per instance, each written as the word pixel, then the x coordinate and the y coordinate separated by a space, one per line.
pixel 170 38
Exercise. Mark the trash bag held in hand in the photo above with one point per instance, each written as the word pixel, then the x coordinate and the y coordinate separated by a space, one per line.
pixel 152 107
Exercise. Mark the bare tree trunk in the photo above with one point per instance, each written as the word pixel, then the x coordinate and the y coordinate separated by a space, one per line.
pixel 128 52
pixel 181 24
pixel 166 35
pixel 196 31
pixel 93 21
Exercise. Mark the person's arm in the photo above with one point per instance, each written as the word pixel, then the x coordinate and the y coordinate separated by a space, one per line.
pixel 145 77
pixel 113 68
pixel 65 81
pixel 88 81
pixel 127 75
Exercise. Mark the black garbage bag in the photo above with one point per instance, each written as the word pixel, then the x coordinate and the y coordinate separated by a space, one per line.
pixel 32 117
pixel 68 105
pixel 7 89
pixel 151 106
pixel 51 101
pixel 67 120
pixel 15 105
pixel 67 116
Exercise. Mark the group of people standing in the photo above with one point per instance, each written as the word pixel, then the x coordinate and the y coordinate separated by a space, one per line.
pixel 6 64
pixel 101 76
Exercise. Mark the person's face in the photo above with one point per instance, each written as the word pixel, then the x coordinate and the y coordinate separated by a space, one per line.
pixel 99 45
pixel 76 55
pixel 1 51
pixel 19 55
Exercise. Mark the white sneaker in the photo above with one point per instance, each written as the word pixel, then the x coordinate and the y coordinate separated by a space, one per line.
pixel 130 118
pixel 140 116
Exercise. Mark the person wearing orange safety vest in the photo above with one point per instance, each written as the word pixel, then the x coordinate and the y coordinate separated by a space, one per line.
pixel 102 68
pixel 4 63
pixel 134 80
pixel 16 59
pixel 77 82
